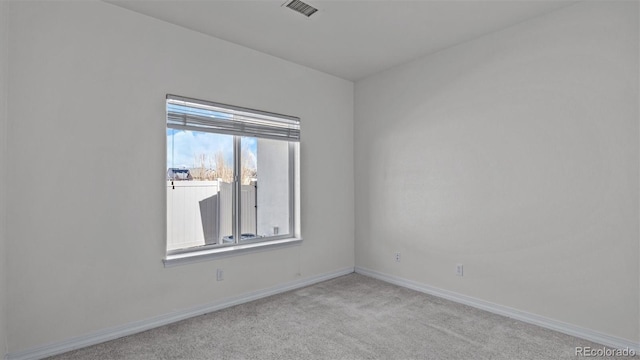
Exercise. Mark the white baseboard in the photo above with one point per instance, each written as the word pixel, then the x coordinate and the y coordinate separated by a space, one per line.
pixel 143 325
pixel 524 316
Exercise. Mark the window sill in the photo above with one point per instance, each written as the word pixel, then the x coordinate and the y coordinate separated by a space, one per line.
pixel 210 254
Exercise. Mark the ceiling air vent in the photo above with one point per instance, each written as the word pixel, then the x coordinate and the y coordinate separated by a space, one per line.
pixel 301 7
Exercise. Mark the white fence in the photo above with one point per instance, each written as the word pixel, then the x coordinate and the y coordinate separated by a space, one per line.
pixel 201 212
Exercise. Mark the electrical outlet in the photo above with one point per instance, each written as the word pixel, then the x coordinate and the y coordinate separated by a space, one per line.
pixel 219 274
pixel 397 257
pixel 459 270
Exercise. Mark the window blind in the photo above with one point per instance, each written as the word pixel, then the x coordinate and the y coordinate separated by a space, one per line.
pixel 191 114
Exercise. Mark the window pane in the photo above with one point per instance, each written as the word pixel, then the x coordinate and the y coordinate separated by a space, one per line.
pixel 248 186
pixel 265 187
pixel 199 189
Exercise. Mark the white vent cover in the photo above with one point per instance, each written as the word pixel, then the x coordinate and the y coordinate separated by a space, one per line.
pixel 300 7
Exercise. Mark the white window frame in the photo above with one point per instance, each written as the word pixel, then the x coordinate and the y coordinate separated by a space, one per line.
pixel 243 128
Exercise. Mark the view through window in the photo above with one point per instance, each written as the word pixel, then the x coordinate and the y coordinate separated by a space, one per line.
pixel 230 175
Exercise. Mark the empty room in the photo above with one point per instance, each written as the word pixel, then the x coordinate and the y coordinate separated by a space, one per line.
pixel 319 179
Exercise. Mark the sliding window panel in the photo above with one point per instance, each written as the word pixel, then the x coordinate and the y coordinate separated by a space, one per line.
pixel 268 164
pixel 199 189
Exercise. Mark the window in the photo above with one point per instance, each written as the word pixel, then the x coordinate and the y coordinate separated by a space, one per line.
pixel 231 176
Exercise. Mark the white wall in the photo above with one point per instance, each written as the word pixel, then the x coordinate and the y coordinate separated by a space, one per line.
pixel 3 141
pixel 515 154
pixel 87 92
pixel 273 187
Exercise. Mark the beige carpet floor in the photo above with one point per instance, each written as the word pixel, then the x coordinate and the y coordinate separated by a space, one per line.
pixel 350 317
